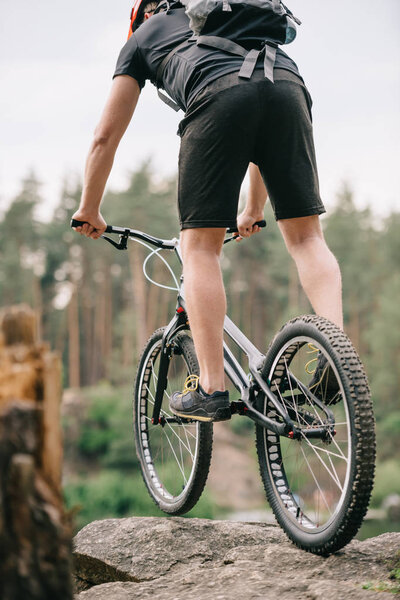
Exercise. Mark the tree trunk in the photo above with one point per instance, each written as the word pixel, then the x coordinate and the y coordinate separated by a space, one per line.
pixel 35 536
pixel 108 322
pixel 38 299
pixel 74 345
pixel 293 291
pixel 354 324
pixel 154 297
pixel 139 296
pixel 88 325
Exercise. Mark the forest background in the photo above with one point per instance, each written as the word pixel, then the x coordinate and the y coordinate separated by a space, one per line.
pixel 96 309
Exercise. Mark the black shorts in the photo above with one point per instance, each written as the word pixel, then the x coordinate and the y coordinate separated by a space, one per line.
pixel 231 124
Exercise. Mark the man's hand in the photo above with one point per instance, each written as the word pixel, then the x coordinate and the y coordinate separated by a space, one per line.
pixel 245 223
pixel 254 209
pixel 94 225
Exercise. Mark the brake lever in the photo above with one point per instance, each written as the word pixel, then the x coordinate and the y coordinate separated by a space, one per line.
pixel 122 244
pixel 262 223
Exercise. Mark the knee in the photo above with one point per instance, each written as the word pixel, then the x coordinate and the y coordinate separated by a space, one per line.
pixel 312 243
pixel 202 240
pixel 302 233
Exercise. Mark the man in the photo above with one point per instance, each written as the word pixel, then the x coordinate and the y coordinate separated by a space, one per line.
pixel 229 123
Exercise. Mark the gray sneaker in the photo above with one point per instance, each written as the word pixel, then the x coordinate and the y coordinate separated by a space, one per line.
pixel 194 403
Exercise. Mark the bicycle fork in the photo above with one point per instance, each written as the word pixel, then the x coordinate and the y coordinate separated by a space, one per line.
pixel 177 323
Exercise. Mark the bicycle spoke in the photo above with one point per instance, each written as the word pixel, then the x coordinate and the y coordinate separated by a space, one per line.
pixel 169 424
pixel 333 477
pixel 336 444
pixel 187 439
pixel 152 401
pixel 153 372
pixel 303 474
pixel 291 389
pixel 316 482
pixel 176 458
pixel 328 452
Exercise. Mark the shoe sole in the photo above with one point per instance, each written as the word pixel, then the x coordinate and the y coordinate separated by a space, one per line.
pixel 221 414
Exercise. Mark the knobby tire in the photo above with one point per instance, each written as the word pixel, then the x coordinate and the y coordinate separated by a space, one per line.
pixel 289 468
pixel 174 459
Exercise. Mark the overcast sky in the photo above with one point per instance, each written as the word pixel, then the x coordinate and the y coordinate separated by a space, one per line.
pixel 57 60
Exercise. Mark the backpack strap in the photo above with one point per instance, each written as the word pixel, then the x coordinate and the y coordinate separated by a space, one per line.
pixel 222 44
pixel 160 73
pixel 163 63
pixel 249 63
pixel 269 60
pixel 250 56
pixel 246 71
pixel 168 101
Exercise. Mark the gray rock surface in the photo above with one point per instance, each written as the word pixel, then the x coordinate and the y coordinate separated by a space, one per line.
pixel 176 558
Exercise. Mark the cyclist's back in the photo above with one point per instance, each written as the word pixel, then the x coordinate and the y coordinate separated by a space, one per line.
pixel 193 67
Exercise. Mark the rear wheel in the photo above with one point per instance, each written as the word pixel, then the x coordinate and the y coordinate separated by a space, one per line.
pixel 175 455
pixel 318 489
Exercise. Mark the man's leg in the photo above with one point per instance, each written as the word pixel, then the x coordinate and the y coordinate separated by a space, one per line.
pixel 317 267
pixel 205 301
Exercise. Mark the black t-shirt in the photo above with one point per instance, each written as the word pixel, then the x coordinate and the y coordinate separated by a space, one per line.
pixel 192 67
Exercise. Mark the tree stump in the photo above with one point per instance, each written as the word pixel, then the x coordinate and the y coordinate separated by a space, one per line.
pixel 35 536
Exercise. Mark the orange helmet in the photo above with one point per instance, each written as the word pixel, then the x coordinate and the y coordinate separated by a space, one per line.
pixel 138 9
pixel 134 14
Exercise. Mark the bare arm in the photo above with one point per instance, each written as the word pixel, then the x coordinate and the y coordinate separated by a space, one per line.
pixel 254 209
pixel 115 119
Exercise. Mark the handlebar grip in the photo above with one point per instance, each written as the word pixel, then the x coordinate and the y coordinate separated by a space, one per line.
pixel 75 223
pixel 259 223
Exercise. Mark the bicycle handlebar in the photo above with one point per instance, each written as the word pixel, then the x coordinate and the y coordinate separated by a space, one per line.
pixel 125 233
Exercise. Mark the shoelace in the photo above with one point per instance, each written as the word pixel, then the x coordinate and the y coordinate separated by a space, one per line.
pixel 191 384
pixel 315 385
pixel 307 369
pixel 312 350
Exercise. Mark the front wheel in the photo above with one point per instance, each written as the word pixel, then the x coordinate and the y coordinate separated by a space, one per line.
pixel 318 488
pixel 175 455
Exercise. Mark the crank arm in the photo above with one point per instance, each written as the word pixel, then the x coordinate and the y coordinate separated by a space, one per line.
pixel 256 416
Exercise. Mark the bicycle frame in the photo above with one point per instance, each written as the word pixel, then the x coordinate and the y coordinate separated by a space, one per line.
pixel 250 385
pixel 232 367
pixel 233 370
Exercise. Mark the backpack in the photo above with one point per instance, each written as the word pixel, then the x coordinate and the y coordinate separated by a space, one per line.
pixel 214 22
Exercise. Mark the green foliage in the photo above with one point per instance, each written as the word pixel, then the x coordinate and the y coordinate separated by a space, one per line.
pixel 103 428
pixel 112 494
pixel 387 481
pixel 21 259
pixel 242 426
pixel 107 494
pixel 393 585
pixel 382 586
pixel 394 565
pixel 383 339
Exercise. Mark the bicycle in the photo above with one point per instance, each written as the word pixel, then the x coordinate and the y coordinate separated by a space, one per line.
pixel 316 453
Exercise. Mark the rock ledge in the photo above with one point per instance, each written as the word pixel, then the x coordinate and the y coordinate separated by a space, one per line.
pixel 176 558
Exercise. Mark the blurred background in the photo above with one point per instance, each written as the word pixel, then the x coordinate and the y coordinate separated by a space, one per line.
pixel 94 305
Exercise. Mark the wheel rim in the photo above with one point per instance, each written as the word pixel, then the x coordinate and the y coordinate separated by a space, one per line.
pixel 169 453
pixel 310 476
